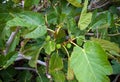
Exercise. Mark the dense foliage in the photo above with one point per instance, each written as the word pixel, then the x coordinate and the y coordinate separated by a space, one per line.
pixel 59 40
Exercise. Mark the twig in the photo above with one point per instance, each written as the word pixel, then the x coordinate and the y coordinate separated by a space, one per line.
pixel 92 34
pixel 10 40
pixel 51 30
pixel 44 4
pixel 21 56
pixel 115 80
pixel 38 8
pixel 97 33
pixel 66 51
pixel 47 68
pixel 97 5
pixel 114 34
pixel 74 43
pixel 26 68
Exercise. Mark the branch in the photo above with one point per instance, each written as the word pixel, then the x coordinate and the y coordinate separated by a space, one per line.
pixel 114 34
pixel 10 40
pixel 26 68
pixel 38 8
pixel 21 56
pixel 47 68
pixel 115 80
pixel 97 4
pixel 92 34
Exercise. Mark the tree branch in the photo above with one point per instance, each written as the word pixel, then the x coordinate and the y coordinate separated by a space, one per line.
pixel 26 68
pixel 92 34
pixel 10 40
pixel 21 56
pixel 115 80
pixel 97 4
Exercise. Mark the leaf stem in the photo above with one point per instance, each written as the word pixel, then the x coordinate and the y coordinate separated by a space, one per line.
pixel 74 43
pixel 66 51
pixel 51 30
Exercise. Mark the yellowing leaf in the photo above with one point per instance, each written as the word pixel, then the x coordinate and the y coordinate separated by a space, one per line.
pixel 56 63
pixel 76 3
pixel 85 18
pixel 33 61
pixel 70 74
pixel 90 62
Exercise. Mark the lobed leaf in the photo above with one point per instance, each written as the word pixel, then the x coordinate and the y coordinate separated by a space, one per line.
pixel 91 63
pixel 108 46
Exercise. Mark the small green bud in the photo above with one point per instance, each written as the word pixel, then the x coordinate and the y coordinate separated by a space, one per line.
pixel 58 46
pixel 47 38
pixel 68 45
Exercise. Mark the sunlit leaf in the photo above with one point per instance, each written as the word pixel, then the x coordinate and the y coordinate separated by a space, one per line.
pixel 56 63
pixel 37 33
pixel 27 19
pixel 33 61
pixel 85 18
pixel 90 62
pixel 108 46
pixel 76 3
pixel 80 40
pixel 58 76
pixel 49 47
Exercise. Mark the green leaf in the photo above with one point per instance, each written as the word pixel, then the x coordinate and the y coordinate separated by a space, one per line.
pixel 102 20
pixel 10 58
pixel 14 44
pixel 7 74
pixel 58 76
pixel 85 18
pixel 116 67
pixel 4 17
pixel 2 60
pixel 33 61
pixel 16 1
pixel 30 3
pixel 80 40
pixel 55 63
pixel 70 74
pixel 37 33
pixel 72 27
pixel 98 23
pixel 49 47
pixel 25 76
pixel 111 47
pixel 76 3
pixel 27 19
pixel 90 62
pixel 43 78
